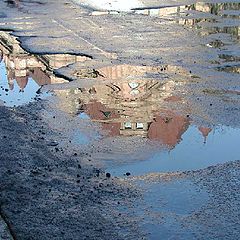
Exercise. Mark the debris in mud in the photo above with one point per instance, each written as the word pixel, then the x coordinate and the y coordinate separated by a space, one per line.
pixel 53 144
pixel 108 175
pixel 87 73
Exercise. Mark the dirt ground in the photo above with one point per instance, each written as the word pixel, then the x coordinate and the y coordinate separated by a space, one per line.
pixel 49 192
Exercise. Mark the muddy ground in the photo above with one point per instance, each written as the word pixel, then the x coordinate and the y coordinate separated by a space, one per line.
pixel 48 192
pixel 53 187
pixel 52 192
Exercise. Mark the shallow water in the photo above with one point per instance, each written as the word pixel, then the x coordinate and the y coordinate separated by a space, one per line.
pixel 168 204
pixel 142 119
pixel 150 102
pixel 216 23
pixel 18 91
pixel 195 151
pixel 23 74
pixel 142 108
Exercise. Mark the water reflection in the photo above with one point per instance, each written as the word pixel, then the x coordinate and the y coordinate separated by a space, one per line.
pixel 19 4
pixel 138 102
pixel 132 104
pixel 213 21
pixel 116 5
pixel 22 74
pixel 200 147
pixel 216 23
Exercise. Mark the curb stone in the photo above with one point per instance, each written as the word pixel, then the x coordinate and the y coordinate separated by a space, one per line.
pixel 4 231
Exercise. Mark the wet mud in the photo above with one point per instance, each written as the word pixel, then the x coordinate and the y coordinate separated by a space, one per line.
pixel 100 133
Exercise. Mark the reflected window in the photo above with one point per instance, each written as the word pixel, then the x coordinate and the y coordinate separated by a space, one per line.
pixel 106 114
pixel 134 92
pixel 127 125
pixel 139 125
pixel 133 85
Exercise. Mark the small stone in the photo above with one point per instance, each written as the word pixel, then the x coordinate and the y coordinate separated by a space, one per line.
pixel 53 144
pixel 97 173
pixel 108 175
pixel 128 174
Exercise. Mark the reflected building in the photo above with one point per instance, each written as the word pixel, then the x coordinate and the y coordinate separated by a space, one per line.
pixel 183 15
pixel 131 104
pixel 208 18
pixel 168 128
pixel 13 3
pixel 205 132
pixel 21 66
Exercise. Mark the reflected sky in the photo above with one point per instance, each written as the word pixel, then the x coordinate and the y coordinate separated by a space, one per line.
pixel 135 100
pixel 171 202
pixel 195 151
pixel 137 118
pixel 23 74
pixel 14 95
pixel 131 105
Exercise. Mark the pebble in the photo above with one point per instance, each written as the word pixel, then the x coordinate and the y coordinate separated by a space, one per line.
pixel 52 144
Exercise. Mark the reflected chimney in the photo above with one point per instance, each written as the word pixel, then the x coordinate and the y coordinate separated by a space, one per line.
pixel 205 132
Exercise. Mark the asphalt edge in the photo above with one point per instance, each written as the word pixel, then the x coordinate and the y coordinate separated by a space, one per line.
pixel 6 232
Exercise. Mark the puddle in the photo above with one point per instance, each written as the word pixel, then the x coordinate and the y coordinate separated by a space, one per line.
pixel 168 204
pixel 23 74
pixel 139 119
pixel 216 23
pixel 18 90
pixel 135 103
pixel 82 137
pixel 198 148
